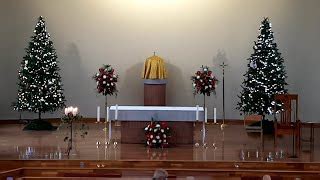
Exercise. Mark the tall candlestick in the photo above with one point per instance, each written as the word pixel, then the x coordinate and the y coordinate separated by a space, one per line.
pixel 107 118
pixel 215 115
pixel 98 113
pixel 205 115
pixel 197 113
pixel 105 142
pixel 116 113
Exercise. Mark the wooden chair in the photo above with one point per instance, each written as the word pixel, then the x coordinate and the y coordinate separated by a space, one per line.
pixel 254 118
pixel 287 121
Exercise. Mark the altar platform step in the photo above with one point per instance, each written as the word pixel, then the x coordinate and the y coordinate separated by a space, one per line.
pixel 28 169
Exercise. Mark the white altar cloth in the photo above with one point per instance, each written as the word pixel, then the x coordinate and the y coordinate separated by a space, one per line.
pixel 164 113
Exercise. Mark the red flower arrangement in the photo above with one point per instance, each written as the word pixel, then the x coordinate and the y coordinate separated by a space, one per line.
pixel 157 134
pixel 204 82
pixel 106 80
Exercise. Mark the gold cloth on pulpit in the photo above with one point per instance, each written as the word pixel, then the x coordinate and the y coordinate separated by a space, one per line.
pixel 154 68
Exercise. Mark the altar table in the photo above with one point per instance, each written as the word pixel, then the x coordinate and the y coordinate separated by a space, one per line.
pixel 135 118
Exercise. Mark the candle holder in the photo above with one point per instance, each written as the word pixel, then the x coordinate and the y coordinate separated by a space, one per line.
pixel 196 145
pixel 205 121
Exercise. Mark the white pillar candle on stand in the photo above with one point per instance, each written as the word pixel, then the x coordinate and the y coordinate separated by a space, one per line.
pixel 205 115
pixel 75 111
pixel 107 118
pixel 110 130
pixel 215 115
pixel 116 113
pixel 98 113
pixel 197 113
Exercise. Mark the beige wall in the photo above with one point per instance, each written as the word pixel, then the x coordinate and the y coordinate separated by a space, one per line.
pixel 186 33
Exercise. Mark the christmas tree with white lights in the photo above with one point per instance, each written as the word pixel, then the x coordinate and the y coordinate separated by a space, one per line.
pixel 39 88
pixel 265 77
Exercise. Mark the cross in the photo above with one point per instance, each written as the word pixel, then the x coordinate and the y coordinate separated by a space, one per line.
pixel 223 65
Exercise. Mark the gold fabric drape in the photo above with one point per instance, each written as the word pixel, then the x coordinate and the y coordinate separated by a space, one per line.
pixel 154 68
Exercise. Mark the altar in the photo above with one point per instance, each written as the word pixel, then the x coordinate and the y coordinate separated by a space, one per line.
pixel 134 119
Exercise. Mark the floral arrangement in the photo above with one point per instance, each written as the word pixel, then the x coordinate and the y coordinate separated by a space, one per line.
pixel 204 82
pixel 157 134
pixel 106 80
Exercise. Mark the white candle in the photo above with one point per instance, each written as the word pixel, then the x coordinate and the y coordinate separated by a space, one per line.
pixel 205 115
pixel 107 120
pixel 215 115
pixel 116 113
pixel 66 111
pixel 110 130
pixel 197 113
pixel 98 113
pixel 75 111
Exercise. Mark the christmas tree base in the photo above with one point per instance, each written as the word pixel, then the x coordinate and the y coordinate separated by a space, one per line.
pixel 39 125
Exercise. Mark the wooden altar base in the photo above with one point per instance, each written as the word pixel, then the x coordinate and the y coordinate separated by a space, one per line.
pixel 132 132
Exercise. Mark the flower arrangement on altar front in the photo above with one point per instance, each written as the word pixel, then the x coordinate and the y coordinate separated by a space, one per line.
pixel 157 134
pixel 204 82
pixel 106 80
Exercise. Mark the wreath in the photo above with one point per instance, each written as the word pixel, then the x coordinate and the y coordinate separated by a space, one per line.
pixel 157 134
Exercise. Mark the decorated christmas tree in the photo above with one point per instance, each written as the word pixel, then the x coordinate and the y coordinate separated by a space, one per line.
pixel 39 87
pixel 265 77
